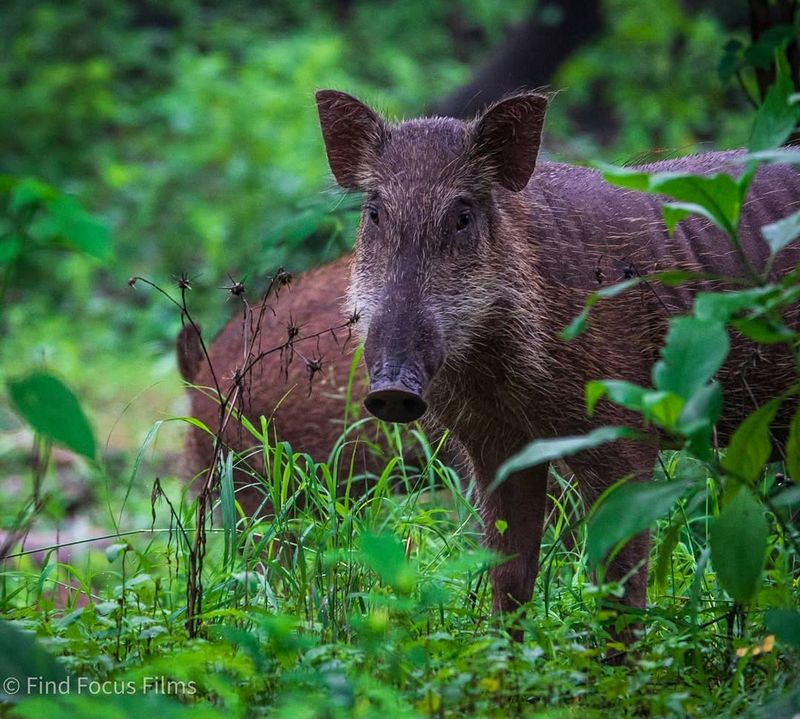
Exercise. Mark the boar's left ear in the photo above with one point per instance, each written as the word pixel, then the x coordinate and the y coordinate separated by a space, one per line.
pixel 353 134
pixel 506 138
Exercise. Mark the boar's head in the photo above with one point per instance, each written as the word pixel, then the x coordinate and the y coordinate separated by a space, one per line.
pixel 433 203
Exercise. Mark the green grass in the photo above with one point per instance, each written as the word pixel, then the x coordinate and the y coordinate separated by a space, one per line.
pixel 377 604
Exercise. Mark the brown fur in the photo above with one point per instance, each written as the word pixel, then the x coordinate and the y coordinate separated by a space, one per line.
pixel 465 315
pixel 310 423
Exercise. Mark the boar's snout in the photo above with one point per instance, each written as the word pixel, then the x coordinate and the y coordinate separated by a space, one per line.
pixel 401 363
pixel 393 402
pixel 396 391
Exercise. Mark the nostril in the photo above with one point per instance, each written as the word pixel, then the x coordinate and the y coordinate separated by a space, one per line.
pixel 375 405
pixel 411 404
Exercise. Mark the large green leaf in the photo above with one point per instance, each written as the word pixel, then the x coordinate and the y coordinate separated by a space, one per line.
pixel 21 657
pixel 730 61
pixel 68 223
pixel 720 306
pixel 697 420
pixel 53 411
pixel 784 624
pixel 750 447
pixel 777 116
pixel 763 330
pixel 761 53
pixel 693 352
pixel 626 510
pixel 781 233
pixel 663 408
pixel 787 156
pixel 738 545
pixel 675 212
pixel 702 410
pixel 29 191
pixel 717 197
pixel 625 394
pixel 545 450
pixel 385 554
pixel 10 248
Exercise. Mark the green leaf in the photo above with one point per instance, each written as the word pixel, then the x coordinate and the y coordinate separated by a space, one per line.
pixel 625 394
pixel 703 408
pixel 787 498
pixel 777 117
pixel 763 330
pixel 717 197
pixel 627 509
pixel 750 447
pixel 385 555
pixel 76 228
pixel 21 656
pixel 785 625
pixel 675 212
pixel 624 177
pixel 785 156
pixel 10 248
pixel 618 288
pixel 738 541
pixel 663 408
pixel 675 278
pixel 694 350
pixel 227 502
pixel 578 324
pixel 545 450
pixel 793 448
pixel 30 191
pixel 114 551
pixel 665 550
pixel 53 411
pixel 761 53
pixel 720 306
pixel 729 63
pixel 698 417
pixel 781 233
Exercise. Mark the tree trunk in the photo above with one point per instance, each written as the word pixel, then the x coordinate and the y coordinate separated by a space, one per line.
pixel 528 58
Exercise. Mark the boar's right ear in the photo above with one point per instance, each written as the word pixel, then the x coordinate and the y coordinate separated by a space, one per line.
pixel 506 139
pixel 354 135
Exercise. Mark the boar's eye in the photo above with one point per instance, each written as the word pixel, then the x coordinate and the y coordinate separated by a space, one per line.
pixel 463 220
pixel 373 214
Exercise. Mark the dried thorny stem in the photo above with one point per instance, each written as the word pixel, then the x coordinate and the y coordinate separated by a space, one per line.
pixel 183 285
pixel 228 399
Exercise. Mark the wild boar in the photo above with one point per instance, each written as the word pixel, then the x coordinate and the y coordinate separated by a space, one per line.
pixel 471 257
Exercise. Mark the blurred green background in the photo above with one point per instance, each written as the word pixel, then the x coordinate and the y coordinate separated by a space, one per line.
pixel 188 131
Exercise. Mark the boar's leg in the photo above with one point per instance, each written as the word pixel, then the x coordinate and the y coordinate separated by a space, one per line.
pixel 517 506
pixel 596 471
